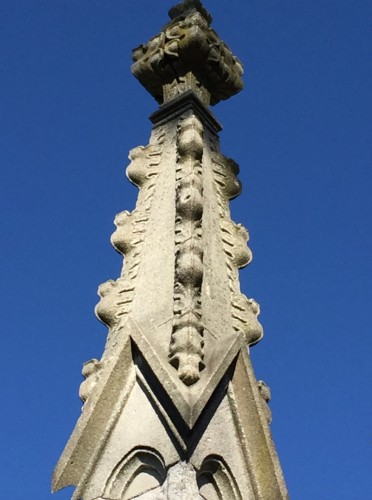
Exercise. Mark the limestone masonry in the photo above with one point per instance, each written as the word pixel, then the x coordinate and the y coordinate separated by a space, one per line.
pixel 172 410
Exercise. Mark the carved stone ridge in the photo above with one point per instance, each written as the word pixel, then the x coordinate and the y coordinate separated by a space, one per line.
pixel 234 238
pixel 117 296
pixel 187 45
pixel 186 349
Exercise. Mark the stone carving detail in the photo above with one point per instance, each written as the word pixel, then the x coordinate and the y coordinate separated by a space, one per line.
pixel 215 480
pixel 186 349
pixel 139 471
pixel 107 307
pixel 228 186
pixel 265 394
pixel 234 236
pixel 142 473
pixel 234 240
pixel 117 296
pixel 164 416
pixel 188 45
pixel 184 83
pixel 91 372
pixel 244 313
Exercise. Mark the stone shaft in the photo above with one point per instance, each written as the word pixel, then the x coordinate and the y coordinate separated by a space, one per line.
pixel 172 410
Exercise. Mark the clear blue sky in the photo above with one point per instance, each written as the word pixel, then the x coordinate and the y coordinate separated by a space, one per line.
pixel 301 132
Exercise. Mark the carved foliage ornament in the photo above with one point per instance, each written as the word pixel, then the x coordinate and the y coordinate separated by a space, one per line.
pixel 186 349
pixel 186 45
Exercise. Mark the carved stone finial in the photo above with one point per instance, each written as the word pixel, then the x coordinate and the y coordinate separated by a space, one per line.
pixel 188 55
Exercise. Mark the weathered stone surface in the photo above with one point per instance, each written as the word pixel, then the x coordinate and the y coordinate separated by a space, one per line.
pixel 172 410
pixel 188 54
pixel 180 484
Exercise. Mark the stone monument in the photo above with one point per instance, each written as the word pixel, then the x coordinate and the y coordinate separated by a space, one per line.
pixel 173 410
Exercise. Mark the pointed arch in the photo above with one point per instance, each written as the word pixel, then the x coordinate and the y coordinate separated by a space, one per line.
pixel 141 470
pixel 216 481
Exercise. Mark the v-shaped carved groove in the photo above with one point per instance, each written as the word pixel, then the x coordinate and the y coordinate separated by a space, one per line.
pixel 189 402
pixel 183 438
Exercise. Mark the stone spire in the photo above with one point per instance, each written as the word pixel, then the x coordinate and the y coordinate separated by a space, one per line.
pixel 173 410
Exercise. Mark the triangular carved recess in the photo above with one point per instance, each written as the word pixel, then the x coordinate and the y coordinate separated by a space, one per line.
pixel 189 401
